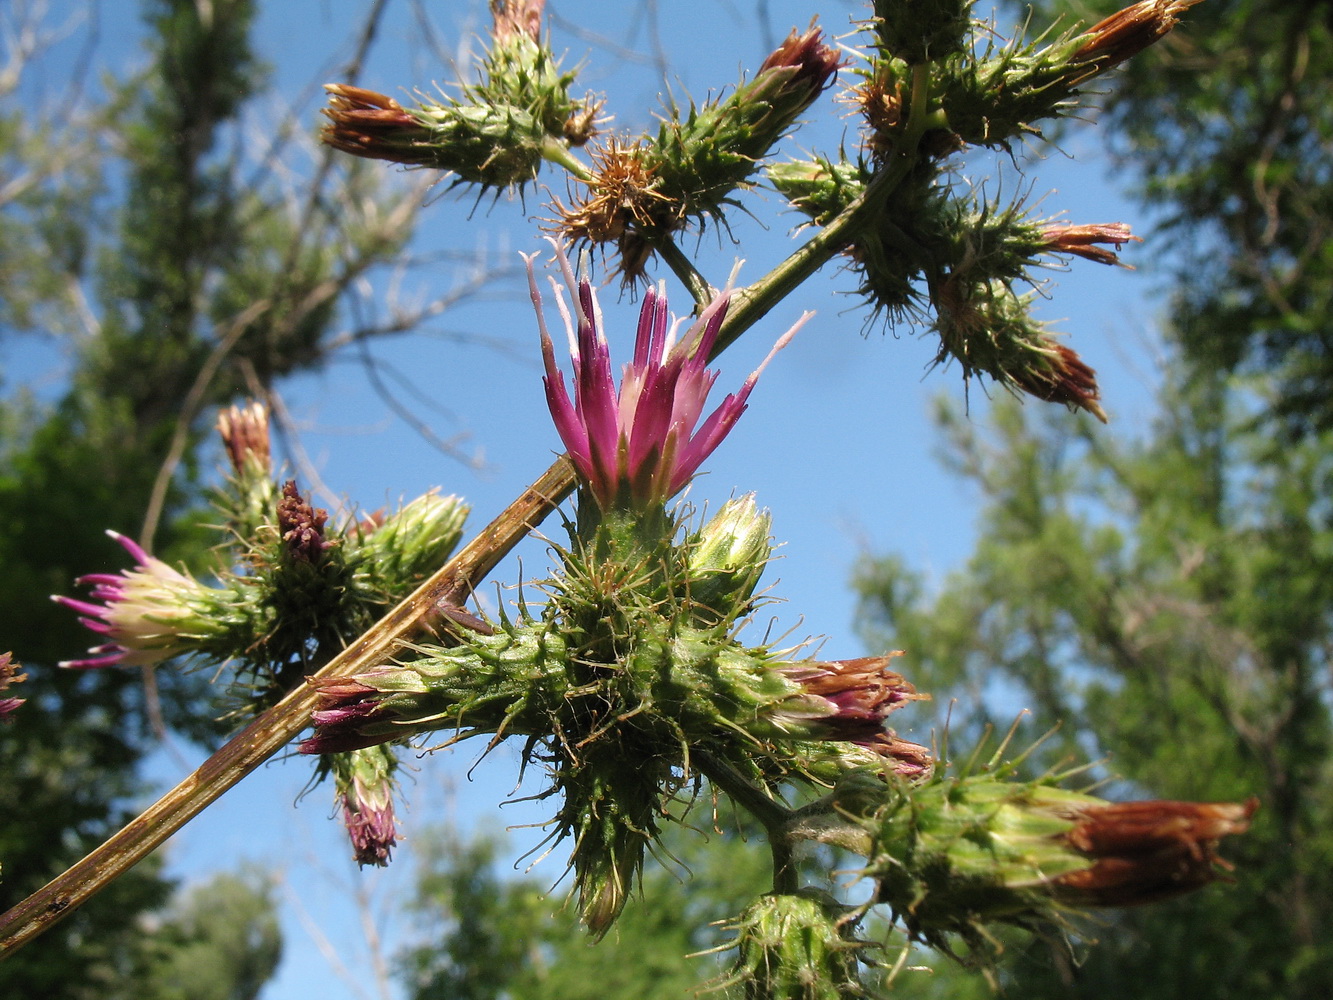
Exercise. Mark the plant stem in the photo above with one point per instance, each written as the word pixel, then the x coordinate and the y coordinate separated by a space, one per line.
pixel 700 290
pixel 771 814
pixel 275 728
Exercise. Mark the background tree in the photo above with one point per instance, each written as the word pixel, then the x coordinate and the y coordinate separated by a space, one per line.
pixel 1166 603
pixel 487 934
pixel 146 235
pixel 1167 600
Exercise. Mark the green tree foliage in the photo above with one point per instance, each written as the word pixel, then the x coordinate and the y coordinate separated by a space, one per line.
pixel 144 234
pixel 489 935
pixel 1228 125
pixel 1166 602
pixel 219 942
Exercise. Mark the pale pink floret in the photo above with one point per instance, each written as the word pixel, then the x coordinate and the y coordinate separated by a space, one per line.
pixel 638 446
pixel 141 613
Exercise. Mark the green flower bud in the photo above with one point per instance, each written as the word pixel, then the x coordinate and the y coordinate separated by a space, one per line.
pixel 957 853
pixel 917 31
pixel 396 553
pixel 726 558
pixel 796 947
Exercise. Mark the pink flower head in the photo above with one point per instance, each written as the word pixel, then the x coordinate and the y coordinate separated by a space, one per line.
pixel 638 446
pixel 844 699
pixel 369 819
pixel 145 613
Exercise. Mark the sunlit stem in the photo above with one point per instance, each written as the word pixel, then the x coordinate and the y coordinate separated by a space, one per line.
pixel 771 814
pixel 278 726
pixel 555 151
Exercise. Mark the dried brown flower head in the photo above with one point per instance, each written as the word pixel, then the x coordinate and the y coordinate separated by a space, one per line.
pixel 1149 851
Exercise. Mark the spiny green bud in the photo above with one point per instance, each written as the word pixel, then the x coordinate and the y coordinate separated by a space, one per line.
pixel 1009 89
pixel 819 188
pixel 796 947
pixel 956 853
pixel 615 789
pixel 726 558
pixel 701 159
pixel 894 247
pixel 646 190
pixel 510 681
pixel 917 31
pixel 495 134
pixel 494 145
pixel 988 328
pixel 395 553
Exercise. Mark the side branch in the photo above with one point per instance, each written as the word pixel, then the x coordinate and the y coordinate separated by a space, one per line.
pixel 278 726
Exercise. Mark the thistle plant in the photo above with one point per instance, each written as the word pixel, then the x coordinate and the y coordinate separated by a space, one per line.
pixel 629 681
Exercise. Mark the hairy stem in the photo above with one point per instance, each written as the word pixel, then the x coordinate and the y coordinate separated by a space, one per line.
pixel 771 814
pixel 278 726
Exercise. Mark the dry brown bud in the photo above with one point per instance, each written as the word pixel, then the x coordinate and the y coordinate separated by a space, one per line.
pixel 1066 379
pixel 1128 32
pixel 244 432
pixel 1081 241
pixel 1147 851
pixel 370 124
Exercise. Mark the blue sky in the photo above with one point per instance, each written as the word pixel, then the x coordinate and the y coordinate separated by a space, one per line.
pixel 837 441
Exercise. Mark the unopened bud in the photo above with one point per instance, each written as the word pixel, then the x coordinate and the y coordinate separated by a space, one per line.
pixel 244 433
pixel 727 558
pixel 917 31
pixel 957 853
pixel 363 780
pixel 796 946
pixel 410 544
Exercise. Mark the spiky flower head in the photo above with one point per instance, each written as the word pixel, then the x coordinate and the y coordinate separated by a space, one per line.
pixel 989 329
pixel 636 447
pixel 643 191
pixel 796 946
pixel 496 132
pixel 147 614
pixel 1007 90
pixel 957 853
pixel 921 30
